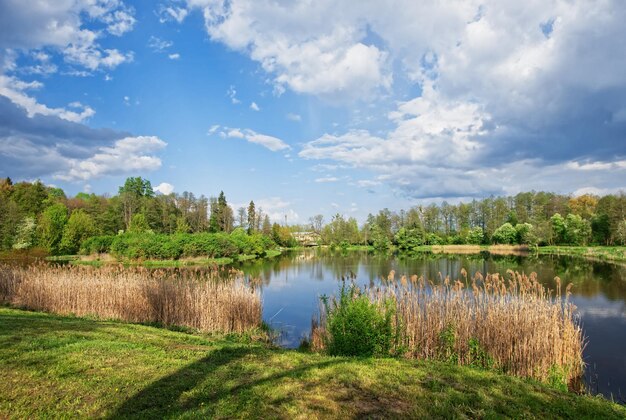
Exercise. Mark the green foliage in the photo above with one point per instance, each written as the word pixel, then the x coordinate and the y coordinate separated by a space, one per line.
pixel 578 230
pixel 434 239
pixel 139 224
pixel 526 234
pixel 478 356
pixel 447 339
pixel 50 229
pixel 380 241
pixel 25 237
pixel 558 229
pixel 475 236
pixel 409 239
pixel 79 227
pixel 505 234
pixel 97 245
pixel 358 327
pixel 160 246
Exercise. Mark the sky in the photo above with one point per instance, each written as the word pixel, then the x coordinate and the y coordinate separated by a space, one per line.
pixel 316 107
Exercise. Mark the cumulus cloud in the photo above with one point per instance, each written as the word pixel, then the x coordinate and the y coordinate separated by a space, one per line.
pixel 25 26
pixel 254 107
pixel 314 48
pixel 164 188
pixel 269 142
pixel 47 145
pixel 294 117
pixel 16 90
pixel 174 56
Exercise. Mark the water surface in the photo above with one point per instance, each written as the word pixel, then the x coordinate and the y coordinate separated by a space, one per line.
pixel 292 284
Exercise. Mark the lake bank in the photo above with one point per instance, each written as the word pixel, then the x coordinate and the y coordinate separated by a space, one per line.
pixel 87 368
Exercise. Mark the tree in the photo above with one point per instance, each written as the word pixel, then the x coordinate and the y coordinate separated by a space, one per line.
pixel 621 232
pixel 25 237
pixel 577 230
pixel 409 239
pixel 475 236
pixel 242 217
pixel 317 222
pixel 558 229
pixel 51 225
pixel 251 217
pixel 505 234
pixel 139 224
pixel 526 234
pixel 267 226
pixel 131 195
pixel 182 226
pixel 79 227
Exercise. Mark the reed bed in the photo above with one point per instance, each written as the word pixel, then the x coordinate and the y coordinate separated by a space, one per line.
pixel 511 323
pixel 210 300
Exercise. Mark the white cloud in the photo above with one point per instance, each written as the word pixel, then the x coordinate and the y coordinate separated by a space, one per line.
pixel 269 142
pixel 254 107
pixel 164 188
pixel 15 90
pixel 120 22
pixel 127 155
pixel 159 45
pixel 232 94
pixel 172 13
pixel 174 56
pixel 34 25
pixel 213 129
pixel 294 117
pixel 327 179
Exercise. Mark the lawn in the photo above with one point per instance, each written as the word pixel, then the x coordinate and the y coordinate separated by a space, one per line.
pixel 53 366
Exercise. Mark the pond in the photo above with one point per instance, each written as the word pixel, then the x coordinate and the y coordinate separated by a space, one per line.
pixel 292 284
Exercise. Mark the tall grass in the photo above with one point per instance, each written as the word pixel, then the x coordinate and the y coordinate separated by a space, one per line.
pixel 513 324
pixel 200 298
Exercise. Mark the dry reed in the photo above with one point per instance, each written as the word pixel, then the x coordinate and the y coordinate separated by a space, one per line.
pixel 198 298
pixel 518 325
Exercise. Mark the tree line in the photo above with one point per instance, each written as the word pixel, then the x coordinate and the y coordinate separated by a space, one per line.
pixel 35 215
pixel 533 218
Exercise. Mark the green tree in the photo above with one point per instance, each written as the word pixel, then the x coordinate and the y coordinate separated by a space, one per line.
pixel 79 227
pixel 526 234
pixel 578 230
pixel 51 225
pixel 559 229
pixel 251 217
pixel 505 234
pixel 409 239
pixel 139 224
pixel 475 236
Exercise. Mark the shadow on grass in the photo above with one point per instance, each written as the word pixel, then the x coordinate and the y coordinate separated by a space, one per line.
pixel 163 397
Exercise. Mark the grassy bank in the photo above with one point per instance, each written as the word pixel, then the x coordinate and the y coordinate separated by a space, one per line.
pixel 52 366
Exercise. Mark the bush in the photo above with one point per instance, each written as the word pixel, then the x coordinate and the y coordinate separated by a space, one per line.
pixel 97 245
pixel 358 327
pixel 160 246
pixel 505 234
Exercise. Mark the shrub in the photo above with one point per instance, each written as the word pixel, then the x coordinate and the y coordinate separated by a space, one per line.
pixel 505 234
pixel 97 245
pixel 358 327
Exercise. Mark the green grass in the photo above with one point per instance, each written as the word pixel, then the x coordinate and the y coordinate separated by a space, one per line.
pixel 53 366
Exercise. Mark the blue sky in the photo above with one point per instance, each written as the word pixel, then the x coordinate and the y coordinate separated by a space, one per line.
pixel 316 107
